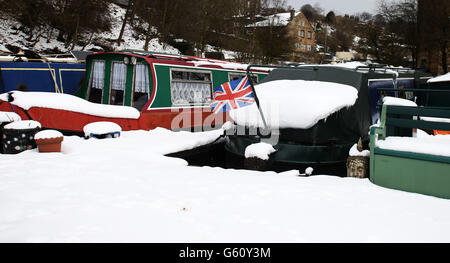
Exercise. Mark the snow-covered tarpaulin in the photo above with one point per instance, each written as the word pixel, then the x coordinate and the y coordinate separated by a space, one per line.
pixel 296 103
pixel 441 78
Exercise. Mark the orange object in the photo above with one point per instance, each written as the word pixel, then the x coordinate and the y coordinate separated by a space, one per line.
pixel 49 145
pixel 437 132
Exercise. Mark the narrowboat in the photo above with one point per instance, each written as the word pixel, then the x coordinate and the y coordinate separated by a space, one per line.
pixel 325 145
pixel 157 90
pixel 32 72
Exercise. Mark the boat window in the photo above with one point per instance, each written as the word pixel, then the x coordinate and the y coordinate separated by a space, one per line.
pixel 119 74
pixel 235 76
pixel 140 95
pixel 190 87
pixel 97 81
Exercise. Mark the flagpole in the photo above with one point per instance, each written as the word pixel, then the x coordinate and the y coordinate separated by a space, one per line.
pixel 256 98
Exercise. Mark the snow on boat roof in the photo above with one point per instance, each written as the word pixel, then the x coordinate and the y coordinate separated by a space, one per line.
pixel 197 61
pixel 58 101
pixel 227 65
pixel 441 78
pixel 393 101
pixel 295 103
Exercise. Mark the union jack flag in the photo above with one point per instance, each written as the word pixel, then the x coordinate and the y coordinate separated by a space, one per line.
pixel 232 95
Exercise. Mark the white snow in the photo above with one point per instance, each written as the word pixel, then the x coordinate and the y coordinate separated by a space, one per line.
pixel 22 125
pixel 295 103
pixel 27 100
pixel 259 150
pixel 9 34
pixel 435 145
pixel 441 78
pixel 393 101
pixel 350 65
pixel 280 19
pixel 6 116
pixel 101 127
pixel 47 134
pixel 434 119
pixel 354 152
pixel 226 65
pixel 125 190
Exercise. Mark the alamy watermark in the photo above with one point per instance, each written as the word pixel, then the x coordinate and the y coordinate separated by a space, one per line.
pixel 245 121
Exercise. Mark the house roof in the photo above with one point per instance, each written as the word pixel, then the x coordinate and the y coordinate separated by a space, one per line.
pixel 280 19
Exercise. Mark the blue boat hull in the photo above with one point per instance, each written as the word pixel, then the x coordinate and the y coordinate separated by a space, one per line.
pixel 45 77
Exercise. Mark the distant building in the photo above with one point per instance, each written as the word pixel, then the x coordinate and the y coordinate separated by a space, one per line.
pixel 434 46
pixel 297 26
pixel 303 33
pixel 345 56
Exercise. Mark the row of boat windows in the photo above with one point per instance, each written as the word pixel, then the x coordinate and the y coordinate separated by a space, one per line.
pixel 118 84
pixel 187 87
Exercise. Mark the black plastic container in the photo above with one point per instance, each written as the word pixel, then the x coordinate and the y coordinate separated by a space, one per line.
pixel 18 140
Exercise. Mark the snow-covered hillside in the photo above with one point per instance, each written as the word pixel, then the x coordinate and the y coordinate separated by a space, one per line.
pixel 9 34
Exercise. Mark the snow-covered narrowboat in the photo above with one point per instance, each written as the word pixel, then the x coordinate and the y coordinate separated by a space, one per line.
pixel 320 113
pixel 137 90
pixel 42 74
pixel 160 86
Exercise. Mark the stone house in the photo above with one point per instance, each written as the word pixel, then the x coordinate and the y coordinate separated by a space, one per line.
pixel 298 28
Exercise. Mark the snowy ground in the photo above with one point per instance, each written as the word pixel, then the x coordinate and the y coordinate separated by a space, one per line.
pixel 125 190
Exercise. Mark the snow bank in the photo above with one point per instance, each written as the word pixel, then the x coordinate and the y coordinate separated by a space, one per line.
pixel 296 103
pixel 441 78
pixel 6 116
pixel 398 102
pixel 23 125
pixel 47 134
pixel 27 100
pixel 434 145
pixel 260 150
pixel 354 152
pixel 101 128
pixel 125 190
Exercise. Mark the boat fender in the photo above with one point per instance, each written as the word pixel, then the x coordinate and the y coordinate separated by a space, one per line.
pixel 10 97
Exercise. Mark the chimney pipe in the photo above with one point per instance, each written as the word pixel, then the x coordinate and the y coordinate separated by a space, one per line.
pixel 292 14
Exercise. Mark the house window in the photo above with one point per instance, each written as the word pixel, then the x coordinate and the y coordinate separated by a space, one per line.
pixel 97 81
pixel 309 34
pixel 308 47
pixel 296 45
pixel 140 94
pixel 302 33
pixel 191 87
pixel 302 46
pixel 118 81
